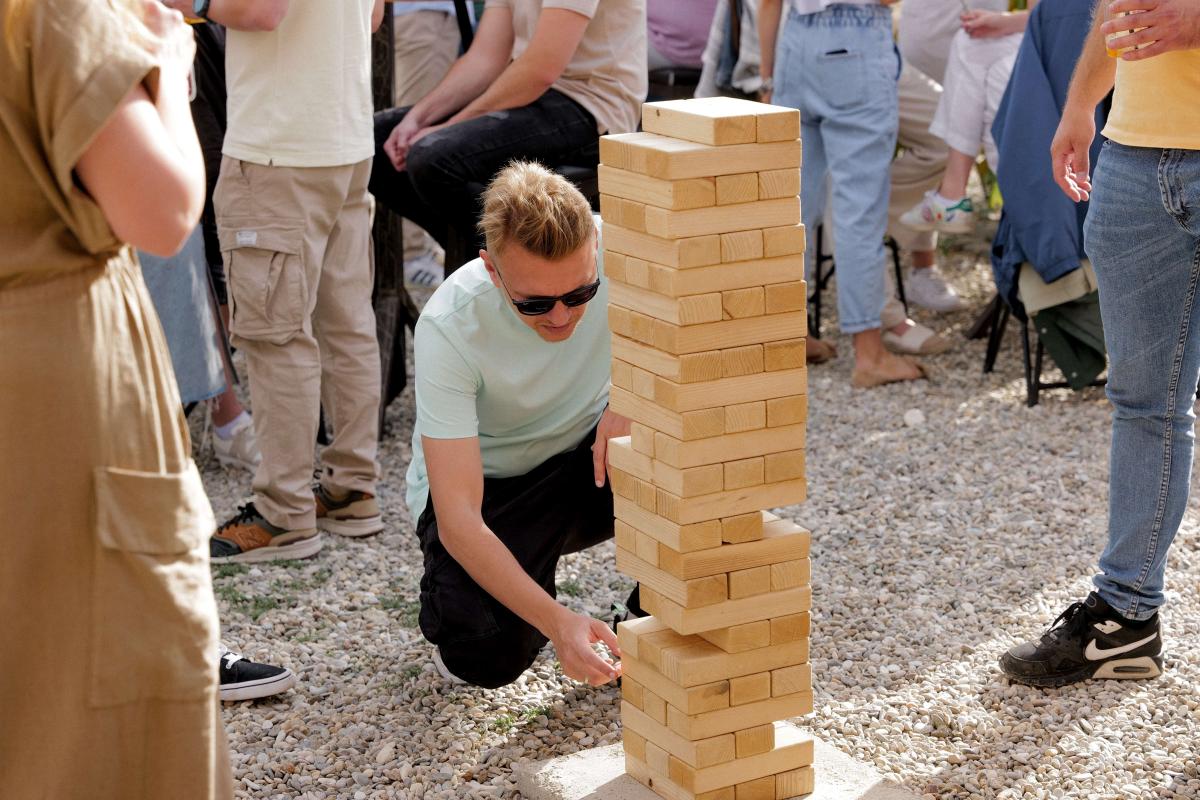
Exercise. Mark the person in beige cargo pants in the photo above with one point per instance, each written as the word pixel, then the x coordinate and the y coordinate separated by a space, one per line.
pixel 293 222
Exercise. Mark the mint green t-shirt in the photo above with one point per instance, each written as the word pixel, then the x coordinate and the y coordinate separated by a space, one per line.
pixel 481 372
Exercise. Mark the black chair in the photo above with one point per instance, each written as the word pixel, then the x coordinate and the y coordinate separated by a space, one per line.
pixel 822 275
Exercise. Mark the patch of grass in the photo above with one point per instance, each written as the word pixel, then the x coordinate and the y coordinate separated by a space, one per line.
pixel 571 588
pixel 533 712
pixel 253 606
pixel 407 610
pixel 221 571
pixel 259 606
pixel 411 671
pixel 304 583
pixel 502 723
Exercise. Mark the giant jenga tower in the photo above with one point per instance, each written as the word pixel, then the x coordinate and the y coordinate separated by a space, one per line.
pixel 704 252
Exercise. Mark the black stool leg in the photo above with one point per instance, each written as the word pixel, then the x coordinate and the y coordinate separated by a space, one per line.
pixel 895 248
pixel 999 322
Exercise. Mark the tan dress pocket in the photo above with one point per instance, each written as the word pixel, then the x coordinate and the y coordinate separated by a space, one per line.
pixel 268 284
pixel 153 615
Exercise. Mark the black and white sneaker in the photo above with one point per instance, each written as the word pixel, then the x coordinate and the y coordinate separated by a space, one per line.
pixel 1088 640
pixel 242 679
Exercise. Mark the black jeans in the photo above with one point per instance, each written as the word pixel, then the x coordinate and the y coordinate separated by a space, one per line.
pixel 448 170
pixel 539 516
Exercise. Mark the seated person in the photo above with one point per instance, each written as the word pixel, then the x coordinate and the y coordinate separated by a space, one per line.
pixel 981 59
pixel 542 80
pixel 676 31
pixel 508 467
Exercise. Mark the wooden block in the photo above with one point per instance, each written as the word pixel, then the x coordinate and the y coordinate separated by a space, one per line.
pixel 656 708
pixel 784 297
pixel 689 482
pixel 710 120
pixel 785 466
pixel 782 541
pixel 737 275
pixel 739 303
pixel 700 753
pixel 727 613
pixel 741 246
pixel 680 538
pixel 745 417
pixel 623 457
pixel 741 188
pixel 632 692
pixel 787 411
pixel 731 503
pixel 623 484
pixel 641 437
pixel 778 123
pixel 742 528
pixel 646 548
pixel 690 193
pixel 780 241
pixel 681 397
pixel 689 368
pixel 685 426
pixel 688 699
pixel 789 574
pixel 736 718
pixel 643 382
pixel 721 219
pixel 674 159
pixel 633 744
pixel 637 272
pixel 632 632
pixel 631 324
pixel 622 374
pixel 786 354
pixel 626 213
pixel 758 789
pixel 729 446
pixel 680 253
pixel 794 783
pixel 657 759
pixel 789 628
pixel 678 339
pixel 698 661
pixel 742 473
pixel 624 535
pixel 749 582
pixel 789 680
pixel 736 361
pixel 777 183
pixel 688 310
pixel 752 741
pixel 696 593
pixel 662 786
pixel 647 495
pixel 793 749
pixel 749 689
pixel 740 638
pixel 614 263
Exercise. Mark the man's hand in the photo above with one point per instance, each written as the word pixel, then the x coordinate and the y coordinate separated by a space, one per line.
pixel 1166 25
pixel 573 637
pixel 400 140
pixel 981 24
pixel 610 426
pixel 176 41
pixel 421 134
pixel 1069 152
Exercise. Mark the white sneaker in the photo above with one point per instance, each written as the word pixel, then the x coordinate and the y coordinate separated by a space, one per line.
pixel 240 449
pixel 934 213
pixel 442 670
pixel 424 271
pixel 927 288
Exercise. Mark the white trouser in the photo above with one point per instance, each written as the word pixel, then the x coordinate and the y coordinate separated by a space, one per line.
pixel 976 77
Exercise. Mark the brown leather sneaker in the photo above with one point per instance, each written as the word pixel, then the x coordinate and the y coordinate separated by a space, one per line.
pixel 248 538
pixel 355 514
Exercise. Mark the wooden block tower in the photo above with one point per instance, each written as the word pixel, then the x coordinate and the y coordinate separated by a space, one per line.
pixel 704 252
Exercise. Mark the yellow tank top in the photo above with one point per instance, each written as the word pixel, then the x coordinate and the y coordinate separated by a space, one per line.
pixel 1157 102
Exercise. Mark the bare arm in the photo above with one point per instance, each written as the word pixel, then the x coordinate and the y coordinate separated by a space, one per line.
pixel 376 15
pixel 144 168
pixel 1094 75
pixel 768 32
pixel 241 15
pixel 456 490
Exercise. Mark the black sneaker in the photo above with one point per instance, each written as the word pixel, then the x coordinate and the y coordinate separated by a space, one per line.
pixel 1088 640
pixel 247 680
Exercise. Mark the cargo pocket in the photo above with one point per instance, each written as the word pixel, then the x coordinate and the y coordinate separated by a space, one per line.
pixel 265 271
pixel 153 616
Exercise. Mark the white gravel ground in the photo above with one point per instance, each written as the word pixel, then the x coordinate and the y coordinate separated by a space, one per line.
pixel 937 545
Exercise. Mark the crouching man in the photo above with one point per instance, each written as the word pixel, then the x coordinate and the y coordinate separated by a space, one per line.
pixel 508 467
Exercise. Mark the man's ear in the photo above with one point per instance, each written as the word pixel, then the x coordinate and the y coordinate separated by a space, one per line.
pixel 491 268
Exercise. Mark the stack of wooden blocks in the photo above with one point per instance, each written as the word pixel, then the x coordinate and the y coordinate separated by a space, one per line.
pixel 704 252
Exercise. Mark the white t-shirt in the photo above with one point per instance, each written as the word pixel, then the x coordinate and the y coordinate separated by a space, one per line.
pixel 482 372
pixel 607 74
pixel 300 95
pixel 816 6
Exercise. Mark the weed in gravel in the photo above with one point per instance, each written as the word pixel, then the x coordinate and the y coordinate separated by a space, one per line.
pixel 409 610
pixel 571 588
pixel 533 712
pixel 502 723
pixel 228 570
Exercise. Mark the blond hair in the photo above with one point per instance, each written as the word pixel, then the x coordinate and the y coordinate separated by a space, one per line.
pixel 540 210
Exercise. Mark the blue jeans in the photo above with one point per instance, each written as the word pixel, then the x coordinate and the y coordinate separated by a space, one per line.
pixel 839 67
pixel 1143 236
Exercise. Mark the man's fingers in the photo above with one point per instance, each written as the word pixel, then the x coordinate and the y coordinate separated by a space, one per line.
pixel 1149 51
pixel 599 458
pixel 605 634
pixel 1125 6
pixel 1143 38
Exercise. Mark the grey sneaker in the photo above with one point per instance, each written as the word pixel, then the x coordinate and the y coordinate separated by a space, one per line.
pixel 931 214
pixel 928 288
pixel 239 450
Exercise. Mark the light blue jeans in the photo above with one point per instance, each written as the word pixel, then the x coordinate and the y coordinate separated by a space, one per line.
pixel 1143 236
pixel 839 67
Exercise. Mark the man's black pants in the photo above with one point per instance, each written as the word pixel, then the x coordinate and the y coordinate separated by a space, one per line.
pixel 447 169
pixel 552 510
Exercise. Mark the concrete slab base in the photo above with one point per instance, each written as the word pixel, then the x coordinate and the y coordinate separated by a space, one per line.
pixel 599 774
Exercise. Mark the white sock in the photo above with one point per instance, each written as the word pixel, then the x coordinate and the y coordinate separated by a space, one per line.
pixel 947 201
pixel 226 431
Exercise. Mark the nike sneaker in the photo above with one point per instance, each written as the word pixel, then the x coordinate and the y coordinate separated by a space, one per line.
pixel 1088 640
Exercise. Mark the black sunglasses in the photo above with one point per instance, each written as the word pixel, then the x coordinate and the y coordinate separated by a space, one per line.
pixel 536 306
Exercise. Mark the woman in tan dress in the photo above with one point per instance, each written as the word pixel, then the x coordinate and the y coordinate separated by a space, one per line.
pixel 107 620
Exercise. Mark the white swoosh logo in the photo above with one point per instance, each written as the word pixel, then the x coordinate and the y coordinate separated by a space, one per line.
pixel 1094 653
